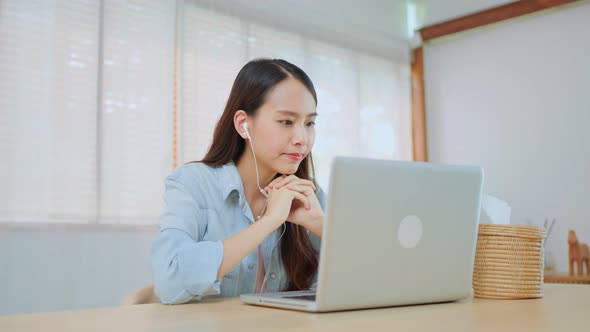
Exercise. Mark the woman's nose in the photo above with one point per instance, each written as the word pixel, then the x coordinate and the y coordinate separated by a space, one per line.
pixel 300 135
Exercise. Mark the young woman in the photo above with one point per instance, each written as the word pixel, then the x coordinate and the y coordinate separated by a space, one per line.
pixel 248 217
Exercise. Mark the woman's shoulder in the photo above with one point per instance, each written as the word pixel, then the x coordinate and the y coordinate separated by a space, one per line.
pixel 193 172
pixel 203 181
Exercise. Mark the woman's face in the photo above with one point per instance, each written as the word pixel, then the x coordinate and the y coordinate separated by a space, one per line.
pixel 284 127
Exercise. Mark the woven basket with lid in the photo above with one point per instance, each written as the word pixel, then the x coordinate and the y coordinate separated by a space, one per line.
pixel 508 262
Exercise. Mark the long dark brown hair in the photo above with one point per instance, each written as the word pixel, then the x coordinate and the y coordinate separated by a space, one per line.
pixel 248 93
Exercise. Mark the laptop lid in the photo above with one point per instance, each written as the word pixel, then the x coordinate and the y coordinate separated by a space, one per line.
pixel 398 233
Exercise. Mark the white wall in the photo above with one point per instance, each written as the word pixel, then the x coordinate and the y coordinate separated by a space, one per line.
pixel 63 269
pixel 514 98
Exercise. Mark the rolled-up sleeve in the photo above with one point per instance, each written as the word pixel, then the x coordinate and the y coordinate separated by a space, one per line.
pixel 185 267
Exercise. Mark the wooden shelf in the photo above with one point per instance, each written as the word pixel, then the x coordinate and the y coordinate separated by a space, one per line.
pixel 566 279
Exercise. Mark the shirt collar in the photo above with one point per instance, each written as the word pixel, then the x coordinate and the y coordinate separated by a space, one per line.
pixel 231 181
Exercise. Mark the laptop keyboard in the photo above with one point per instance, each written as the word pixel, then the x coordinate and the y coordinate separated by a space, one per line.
pixel 300 297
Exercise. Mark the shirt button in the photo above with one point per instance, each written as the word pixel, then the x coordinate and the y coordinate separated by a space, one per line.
pixel 273 276
pixel 251 266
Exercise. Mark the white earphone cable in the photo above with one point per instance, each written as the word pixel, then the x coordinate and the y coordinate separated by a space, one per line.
pixel 255 162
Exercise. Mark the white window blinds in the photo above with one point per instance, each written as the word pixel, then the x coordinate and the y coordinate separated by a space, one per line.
pixel 213 53
pixel 48 98
pixel 136 110
pixel 83 142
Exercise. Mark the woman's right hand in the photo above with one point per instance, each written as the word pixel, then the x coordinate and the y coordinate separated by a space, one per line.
pixel 279 203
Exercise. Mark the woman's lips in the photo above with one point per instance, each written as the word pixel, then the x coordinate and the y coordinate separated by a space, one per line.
pixel 295 156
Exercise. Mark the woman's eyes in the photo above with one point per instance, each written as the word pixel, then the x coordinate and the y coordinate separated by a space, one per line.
pixel 289 123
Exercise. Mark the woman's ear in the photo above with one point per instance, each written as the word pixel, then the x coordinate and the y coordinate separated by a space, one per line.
pixel 240 117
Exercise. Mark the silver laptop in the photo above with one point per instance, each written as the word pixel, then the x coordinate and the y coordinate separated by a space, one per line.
pixel 396 233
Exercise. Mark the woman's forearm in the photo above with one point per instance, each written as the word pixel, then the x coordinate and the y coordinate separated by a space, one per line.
pixel 316 226
pixel 238 246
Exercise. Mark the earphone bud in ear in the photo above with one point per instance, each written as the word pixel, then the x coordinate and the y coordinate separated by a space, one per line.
pixel 245 126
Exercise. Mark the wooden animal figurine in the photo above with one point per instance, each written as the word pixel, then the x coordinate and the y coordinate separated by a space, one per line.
pixel 578 253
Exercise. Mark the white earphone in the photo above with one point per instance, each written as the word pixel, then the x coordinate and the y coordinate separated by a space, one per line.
pixel 245 126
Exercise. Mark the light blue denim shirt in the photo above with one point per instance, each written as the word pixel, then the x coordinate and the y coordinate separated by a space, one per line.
pixel 203 206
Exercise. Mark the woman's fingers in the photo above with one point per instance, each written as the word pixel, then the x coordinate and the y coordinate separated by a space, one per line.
pixel 302 198
pixel 279 182
pixel 285 180
pixel 281 202
pixel 273 182
pixel 289 180
pixel 304 189
pixel 299 181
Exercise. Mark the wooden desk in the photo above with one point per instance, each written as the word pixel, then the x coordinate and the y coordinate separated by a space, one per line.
pixel 563 307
